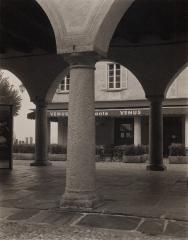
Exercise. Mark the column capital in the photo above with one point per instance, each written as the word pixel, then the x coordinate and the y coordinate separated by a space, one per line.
pixel 40 102
pixel 155 98
pixel 82 59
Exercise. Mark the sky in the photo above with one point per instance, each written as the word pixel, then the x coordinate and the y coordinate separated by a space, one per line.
pixel 24 127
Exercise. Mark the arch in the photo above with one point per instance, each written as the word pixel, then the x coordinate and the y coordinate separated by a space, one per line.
pixel 50 8
pixel 37 82
pixel 179 71
pixel 18 76
pixel 55 84
pixel 106 30
pixel 126 66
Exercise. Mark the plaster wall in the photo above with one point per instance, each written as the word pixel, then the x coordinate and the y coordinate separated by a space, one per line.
pixel 179 87
pixel 131 88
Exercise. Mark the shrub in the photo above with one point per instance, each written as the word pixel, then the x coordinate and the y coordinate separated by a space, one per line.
pixel 177 149
pixel 30 148
pixel 24 148
pixel 132 150
pixel 57 149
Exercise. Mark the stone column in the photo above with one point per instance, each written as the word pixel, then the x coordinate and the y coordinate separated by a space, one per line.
pixel 137 131
pixel 80 191
pixel 186 133
pixel 41 135
pixel 49 131
pixel 156 134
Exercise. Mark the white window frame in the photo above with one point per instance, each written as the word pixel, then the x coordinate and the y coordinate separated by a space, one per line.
pixel 114 77
pixel 66 85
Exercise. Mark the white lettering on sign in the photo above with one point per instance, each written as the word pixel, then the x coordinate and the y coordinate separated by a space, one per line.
pixel 59 114
pixel 130 112
pixel 101 113
pixel 110 112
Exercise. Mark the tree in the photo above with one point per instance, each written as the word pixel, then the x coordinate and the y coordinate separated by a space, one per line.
pixel 9 95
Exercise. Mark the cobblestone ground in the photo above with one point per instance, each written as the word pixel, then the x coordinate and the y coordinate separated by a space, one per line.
pixel 138 204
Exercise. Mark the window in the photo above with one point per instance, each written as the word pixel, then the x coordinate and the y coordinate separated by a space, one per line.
pixel 114 76
pixel 64 85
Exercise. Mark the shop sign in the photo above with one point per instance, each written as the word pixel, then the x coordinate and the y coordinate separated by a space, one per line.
pixel 102 113
pixel 6 120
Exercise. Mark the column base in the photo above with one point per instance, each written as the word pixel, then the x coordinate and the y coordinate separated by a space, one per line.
pixel 40 163
pixel 80 201
pixel 156 168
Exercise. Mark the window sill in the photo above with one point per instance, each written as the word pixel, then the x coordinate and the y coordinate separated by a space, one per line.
pixel 62 92
pixel 114 90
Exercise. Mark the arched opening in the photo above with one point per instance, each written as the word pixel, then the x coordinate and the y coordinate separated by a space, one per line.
pixel 176 120
pixel 151 39
pixel 23 129
pixel 25 29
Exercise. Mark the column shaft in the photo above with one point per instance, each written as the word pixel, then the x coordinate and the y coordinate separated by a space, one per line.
pixel 80 189
pixel 156 135
pixel 41 136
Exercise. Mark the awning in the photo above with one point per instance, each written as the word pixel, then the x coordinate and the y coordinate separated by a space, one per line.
pixel 126 112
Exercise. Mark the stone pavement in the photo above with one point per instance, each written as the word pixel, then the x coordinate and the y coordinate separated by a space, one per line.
pixel 138 204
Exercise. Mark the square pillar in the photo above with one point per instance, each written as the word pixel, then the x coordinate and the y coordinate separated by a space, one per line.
pixel 137 131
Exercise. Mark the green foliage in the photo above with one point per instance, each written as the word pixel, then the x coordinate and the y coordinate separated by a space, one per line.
pixel 177 149
pixel 9 95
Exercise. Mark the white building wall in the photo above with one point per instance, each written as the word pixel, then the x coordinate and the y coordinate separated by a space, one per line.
pixel 179 88
pixel 131 89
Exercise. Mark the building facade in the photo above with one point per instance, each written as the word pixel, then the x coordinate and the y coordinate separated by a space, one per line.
pixel 122 111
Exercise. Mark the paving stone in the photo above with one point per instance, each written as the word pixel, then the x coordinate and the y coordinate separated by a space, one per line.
pixel 127 188
pixel 110 222
pixel 23 214
pixel 52 217
pixel 152 227
pixel 41 217
pixel 177 229
pixel 68 218
pixel 6 212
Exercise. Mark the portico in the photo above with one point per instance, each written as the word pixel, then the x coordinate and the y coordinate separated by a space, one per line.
pixel 40 53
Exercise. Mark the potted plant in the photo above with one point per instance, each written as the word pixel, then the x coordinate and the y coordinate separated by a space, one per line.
pixel 135 154
pixel 177 154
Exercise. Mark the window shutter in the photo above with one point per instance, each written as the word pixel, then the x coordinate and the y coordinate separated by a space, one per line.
pixel 124 78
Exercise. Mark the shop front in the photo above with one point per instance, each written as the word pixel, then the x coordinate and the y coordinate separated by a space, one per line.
pixel 125 126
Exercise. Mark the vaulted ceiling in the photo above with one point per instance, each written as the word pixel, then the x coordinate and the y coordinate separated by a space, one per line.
pixel 153 22
pixel 24 27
